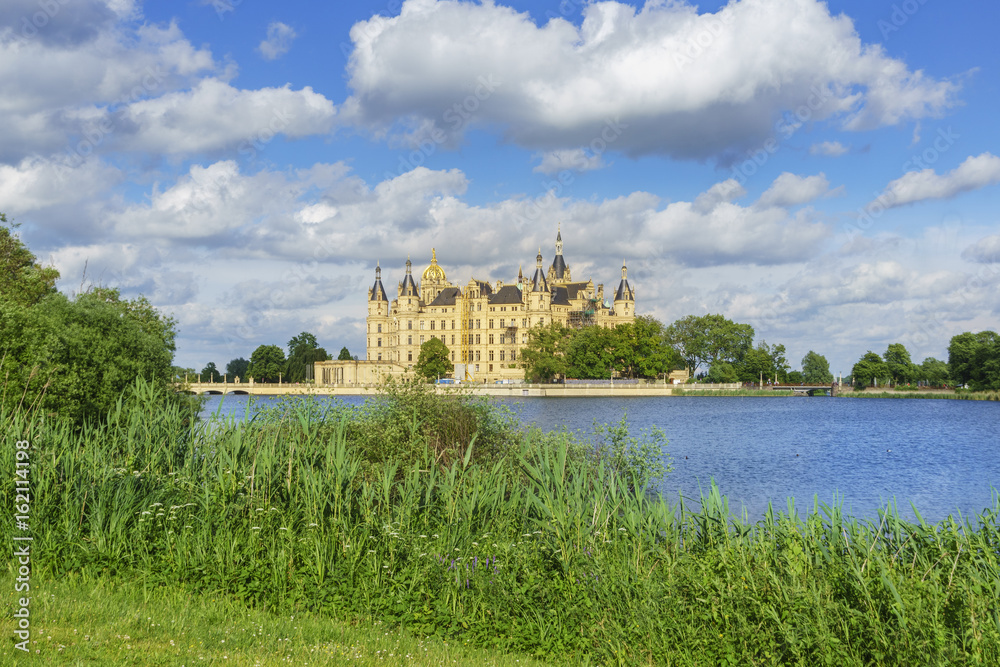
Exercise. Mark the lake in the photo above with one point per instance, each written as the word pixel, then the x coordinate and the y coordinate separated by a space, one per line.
pixel 941 455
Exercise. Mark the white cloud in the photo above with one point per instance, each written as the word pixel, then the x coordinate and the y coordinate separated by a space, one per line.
pixel 574 159
pixel 663 79
pixel 974 173
pixel 828 148
pixel 214 115
pixel 791 190
pixel 279 41
pixel 36 184
pixel 984 251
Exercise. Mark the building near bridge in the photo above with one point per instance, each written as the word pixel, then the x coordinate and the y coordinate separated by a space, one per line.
pixel 483 324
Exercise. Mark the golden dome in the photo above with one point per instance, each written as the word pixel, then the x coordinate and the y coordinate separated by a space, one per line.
pixel 433 273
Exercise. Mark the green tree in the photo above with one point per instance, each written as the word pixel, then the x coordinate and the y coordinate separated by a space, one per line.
pixel 707 339
pixel 303 352
pixel 974 359
pixel 722 372
pixel 345 354
pixel 267 364
pixel 237 368
pixel 210 373
pixel 590 353
pixel 22 280
pixel 641 349
pixel 897 359
pixel 816 369
pixel 764 362
pixel 543 358
pixel 934 372
pixel 434 361
pixel 73 358
pixel 796 377
pixel 869 369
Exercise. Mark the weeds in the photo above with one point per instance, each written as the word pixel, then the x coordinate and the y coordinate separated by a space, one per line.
pixel 459 525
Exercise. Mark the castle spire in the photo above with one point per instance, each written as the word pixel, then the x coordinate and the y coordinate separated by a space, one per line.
pixel 378 292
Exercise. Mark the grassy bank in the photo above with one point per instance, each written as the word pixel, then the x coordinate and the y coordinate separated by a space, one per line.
pixel 440 517
pixel 690 390
pixel 110 622
pixel 959 395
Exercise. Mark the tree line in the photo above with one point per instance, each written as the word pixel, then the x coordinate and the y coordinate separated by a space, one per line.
pixel 268 363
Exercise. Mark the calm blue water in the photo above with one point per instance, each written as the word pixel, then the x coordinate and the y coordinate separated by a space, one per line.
pixel 944 454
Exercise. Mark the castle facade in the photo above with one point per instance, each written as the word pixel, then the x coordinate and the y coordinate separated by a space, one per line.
pixel 484 325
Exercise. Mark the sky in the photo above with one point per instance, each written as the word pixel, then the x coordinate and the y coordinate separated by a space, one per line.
pixel 826 172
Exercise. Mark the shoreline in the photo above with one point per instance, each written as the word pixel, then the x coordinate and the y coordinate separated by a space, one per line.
pixel 603 390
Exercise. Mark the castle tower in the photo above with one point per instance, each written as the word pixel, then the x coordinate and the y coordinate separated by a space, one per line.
pixel 559 272
pixel 539 297
pixel 379 340
pixel 433 280
pixel 625 296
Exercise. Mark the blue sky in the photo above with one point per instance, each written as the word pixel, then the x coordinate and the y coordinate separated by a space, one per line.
pixel 826 172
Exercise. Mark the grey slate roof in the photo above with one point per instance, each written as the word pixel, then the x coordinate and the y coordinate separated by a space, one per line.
pixel 446 297
pixel 506 295
pixel 378 292
pixel 560 296
pixel 624 292
pixel 559 266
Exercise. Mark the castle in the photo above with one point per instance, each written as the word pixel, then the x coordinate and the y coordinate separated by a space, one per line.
pixel 483 325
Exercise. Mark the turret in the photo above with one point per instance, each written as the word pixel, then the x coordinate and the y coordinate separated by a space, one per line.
pixel 625 296
pixel 559 272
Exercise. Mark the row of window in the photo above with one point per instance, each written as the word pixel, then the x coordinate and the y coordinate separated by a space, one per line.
pixel 502 339
pixel 504 323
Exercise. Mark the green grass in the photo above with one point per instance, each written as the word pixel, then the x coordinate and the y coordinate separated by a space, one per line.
pixel 958 395
pixel 690 390
pixel 441 518
pixel 103 622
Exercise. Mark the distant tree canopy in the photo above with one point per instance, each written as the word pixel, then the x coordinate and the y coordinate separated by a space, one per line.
pixel 237 368
pixel 434 361
pixel 210 373
pixel 816 369
pixel 267 364
pixel 303 352
pixel 974 359
pixel 934 372
pixel 73 357
pixel 897 361
pixel 708 339
pixel 345 354
pixel 637 349
pixel 869 369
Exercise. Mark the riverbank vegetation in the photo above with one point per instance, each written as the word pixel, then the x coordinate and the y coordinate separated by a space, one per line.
pixel 442 517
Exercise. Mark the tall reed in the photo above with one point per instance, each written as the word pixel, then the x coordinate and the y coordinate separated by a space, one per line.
pixel 508 538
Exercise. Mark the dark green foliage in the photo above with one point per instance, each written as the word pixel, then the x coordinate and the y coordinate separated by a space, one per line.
pixel 210 373
pixel 590 353
pixel 869 369
pixel 722 372
pixel 345 354
pixel 544 357
pixel 75 357
pixel 433 362
pixel 816 369
pixel 762 363
pixel 641 349
pixel 267 364
pixel 974 359
pixel 934 372
pixel 303 352
pixel 897 361
pixel 707 339
pixel 796 377
pixel 237 368
pixel 22 280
